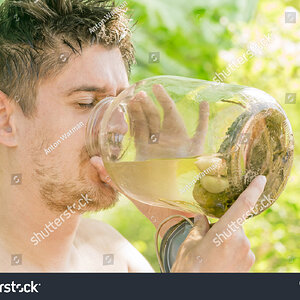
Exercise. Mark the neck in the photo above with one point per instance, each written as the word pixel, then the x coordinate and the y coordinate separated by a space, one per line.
pixel 28 227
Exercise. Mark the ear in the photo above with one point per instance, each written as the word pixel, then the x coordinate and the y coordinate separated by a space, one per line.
pixel 7 125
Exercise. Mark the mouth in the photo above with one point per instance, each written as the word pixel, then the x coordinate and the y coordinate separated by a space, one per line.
pixel 115 144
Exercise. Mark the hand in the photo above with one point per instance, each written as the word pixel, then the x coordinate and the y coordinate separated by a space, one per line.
pixel 173 142
pixel 173 139
pixel 157 214
pixel 203 251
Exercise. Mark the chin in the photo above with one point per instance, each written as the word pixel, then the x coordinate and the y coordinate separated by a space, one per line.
pixel 107 201
pixel 102 195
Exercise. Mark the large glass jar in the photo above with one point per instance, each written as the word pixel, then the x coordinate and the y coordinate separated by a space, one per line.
pixel 192 145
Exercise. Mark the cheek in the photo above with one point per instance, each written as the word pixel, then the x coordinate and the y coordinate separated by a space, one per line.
pixel 57 136
pixel 56 149
pixel 68 140
pixel 72 153
pixel 33 138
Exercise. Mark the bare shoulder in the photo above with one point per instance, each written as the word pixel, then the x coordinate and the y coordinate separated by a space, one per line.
pixel 93 231
pixel 104 238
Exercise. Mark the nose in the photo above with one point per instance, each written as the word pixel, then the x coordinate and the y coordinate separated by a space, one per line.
pixel 117 128
pixel 118 124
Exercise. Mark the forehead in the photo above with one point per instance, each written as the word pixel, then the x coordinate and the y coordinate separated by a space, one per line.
pixel 96 66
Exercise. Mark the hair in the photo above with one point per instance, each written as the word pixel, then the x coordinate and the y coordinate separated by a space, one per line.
pixel 37 37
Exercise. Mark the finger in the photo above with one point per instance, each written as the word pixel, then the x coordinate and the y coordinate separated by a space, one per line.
pixel 164 99
pixel 202 224
pixel 172 117
pixel 201 227
pixel 151 113
pixel 243 206
pixel 138 120
pixel 238 234
pixel 200 134
pixel 97 162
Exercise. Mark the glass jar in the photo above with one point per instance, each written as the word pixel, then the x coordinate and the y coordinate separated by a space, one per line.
pixel 192 145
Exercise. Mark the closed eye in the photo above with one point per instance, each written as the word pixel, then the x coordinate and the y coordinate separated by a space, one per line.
pixel 90 104
pixel 86 105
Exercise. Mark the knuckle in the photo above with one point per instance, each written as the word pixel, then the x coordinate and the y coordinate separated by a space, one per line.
pixel 240 241
pixel 155 118
pixel 251 259
pixel 225 243
pixel 134 109
pixel 246 244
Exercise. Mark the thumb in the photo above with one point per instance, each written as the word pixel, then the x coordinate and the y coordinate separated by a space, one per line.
pixel 97 162
pixel 201 227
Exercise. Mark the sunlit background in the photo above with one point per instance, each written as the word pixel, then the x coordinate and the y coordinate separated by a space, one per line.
pixel 198 38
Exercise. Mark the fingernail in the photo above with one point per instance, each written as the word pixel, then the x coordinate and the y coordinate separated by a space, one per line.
pixel 262 179
pixel 141 95
pixel 96 161
pixel 107 179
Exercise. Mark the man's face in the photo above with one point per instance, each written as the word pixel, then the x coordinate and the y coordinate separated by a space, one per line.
pixel 65 172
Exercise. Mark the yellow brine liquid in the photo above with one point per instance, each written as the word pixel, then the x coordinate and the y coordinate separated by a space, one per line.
pixel 162 182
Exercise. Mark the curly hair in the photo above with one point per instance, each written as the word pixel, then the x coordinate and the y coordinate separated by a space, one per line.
pixel 37 35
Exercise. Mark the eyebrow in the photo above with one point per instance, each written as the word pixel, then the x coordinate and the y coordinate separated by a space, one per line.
pixel 85 88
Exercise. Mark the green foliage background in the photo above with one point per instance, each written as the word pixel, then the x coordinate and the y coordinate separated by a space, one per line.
pixel 197 38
